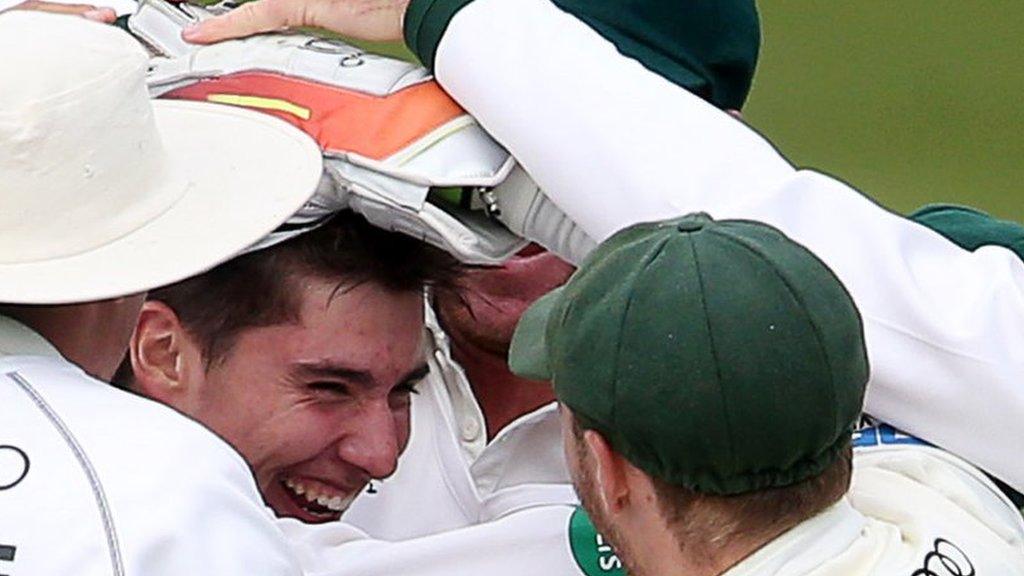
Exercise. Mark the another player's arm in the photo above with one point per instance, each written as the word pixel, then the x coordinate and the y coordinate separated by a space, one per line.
pixel 612 143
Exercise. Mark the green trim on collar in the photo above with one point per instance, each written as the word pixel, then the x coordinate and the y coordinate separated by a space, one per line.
pixel 425 24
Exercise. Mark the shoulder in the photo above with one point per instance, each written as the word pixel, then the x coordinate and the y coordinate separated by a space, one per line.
pixel 932 497
pixel 170 496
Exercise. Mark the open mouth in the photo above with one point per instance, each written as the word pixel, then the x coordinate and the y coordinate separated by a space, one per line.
pixel 321 502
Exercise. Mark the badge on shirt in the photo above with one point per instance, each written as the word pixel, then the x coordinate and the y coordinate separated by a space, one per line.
pixel 593 554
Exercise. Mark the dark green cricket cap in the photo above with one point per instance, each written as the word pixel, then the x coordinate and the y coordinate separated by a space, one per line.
pixel 970 228
pixel 717 355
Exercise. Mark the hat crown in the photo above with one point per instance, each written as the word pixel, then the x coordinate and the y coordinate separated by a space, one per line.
pixel 71 181
pixel 717 355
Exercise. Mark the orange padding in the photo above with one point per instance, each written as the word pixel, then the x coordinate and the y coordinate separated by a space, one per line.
pixel 339 119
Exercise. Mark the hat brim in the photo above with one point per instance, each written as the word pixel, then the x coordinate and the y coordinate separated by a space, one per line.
pixel 244 174
pixel 528 355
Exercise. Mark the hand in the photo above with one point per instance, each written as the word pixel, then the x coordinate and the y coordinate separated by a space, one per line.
pixel 88 11
pixel 377 20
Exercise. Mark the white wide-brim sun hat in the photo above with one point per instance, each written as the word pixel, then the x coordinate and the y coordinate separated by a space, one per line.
pixel 104 193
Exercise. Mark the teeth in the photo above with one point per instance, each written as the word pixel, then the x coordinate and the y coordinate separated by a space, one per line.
pixel 297 487
pixel 320 495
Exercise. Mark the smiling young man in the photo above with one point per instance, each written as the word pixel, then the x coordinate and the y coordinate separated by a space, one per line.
pixel 303 356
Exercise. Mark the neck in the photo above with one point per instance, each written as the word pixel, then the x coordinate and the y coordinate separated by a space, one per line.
pixel 502 395
pixel 93 336
pixel 659 552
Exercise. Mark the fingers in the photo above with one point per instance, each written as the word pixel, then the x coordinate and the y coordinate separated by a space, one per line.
pixel 246 20
pixel 364 19
pixel 105 15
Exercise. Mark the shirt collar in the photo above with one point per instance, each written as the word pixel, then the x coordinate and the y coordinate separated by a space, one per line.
pixel 808 545
pixel 16 339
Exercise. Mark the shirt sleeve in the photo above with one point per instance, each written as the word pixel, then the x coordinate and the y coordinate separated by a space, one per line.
pixel 613 144
pixel 531 541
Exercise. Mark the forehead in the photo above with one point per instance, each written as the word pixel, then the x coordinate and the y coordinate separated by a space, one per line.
pixel 365 326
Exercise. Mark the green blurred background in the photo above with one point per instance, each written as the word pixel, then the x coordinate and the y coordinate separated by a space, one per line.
pixel 912 101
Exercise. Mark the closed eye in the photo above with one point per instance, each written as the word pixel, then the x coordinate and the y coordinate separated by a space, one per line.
pixel 334 388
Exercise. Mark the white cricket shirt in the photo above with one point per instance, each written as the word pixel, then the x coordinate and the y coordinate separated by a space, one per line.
pixel 97 481
pixel 450 477
pixel 912 510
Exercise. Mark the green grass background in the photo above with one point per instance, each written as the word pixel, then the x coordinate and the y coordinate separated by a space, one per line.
pixel 912 101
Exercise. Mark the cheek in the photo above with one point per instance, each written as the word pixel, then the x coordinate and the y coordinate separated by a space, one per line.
pixel 296 436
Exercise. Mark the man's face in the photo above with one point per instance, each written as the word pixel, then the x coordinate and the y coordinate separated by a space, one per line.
pixel 495 297
pixel 319 407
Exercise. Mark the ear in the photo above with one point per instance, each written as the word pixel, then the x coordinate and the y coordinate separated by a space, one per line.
pixel 610 472
pixel 164 357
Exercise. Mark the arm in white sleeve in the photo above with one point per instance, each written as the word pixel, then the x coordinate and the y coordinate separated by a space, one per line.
pixel 532 541
pixel 613 144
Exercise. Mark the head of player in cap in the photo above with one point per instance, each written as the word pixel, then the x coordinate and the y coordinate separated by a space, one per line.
pixel 711 373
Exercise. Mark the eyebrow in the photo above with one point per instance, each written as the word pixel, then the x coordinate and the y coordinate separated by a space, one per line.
pixel 333 370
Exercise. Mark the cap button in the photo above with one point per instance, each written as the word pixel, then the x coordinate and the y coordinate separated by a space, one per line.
pixel 690 225
pixel 693 222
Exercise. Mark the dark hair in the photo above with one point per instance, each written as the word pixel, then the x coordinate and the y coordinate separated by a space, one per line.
pixel 258 289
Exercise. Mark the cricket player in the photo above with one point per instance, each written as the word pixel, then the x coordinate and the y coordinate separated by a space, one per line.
pixel 303 355
pixel 105 195
pixel 710 374
pixel 665 152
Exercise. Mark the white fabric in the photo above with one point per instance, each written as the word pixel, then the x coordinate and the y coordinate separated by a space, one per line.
pixel 533 541
pixel 911 510
pixel 528 211
pixel 613 144
pixel 106 194
pixel 450 476
pixel 97 481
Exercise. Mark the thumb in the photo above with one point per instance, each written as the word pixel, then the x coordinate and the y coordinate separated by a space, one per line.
pixel 248 19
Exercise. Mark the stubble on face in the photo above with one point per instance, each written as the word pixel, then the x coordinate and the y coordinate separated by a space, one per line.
pixel 581 468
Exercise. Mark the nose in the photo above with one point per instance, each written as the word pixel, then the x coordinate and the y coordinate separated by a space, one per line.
pixel 373 444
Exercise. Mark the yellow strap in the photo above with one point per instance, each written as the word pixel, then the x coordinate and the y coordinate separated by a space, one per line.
pixel 262 103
